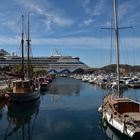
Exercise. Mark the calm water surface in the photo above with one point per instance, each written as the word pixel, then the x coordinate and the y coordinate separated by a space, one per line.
pixel 67 111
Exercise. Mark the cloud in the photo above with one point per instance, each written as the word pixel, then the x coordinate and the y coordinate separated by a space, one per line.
pixel 86 22
pixel 62 22
pixel 52 16
pixel 85 5
pixel 8 40
pixel 73 42
pixel 99 8
pixel 8 23
pixel 70 41
pixel 85 42
pixel 93 10
pixel 96 10
pixel 128 12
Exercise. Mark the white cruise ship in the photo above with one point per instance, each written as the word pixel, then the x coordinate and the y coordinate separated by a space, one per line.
pixel 56 62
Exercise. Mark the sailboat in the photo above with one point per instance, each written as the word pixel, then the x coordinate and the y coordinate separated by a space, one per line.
pixel 23 89
pixel 120 112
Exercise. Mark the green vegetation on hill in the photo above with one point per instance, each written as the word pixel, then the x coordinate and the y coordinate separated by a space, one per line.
pixel 123 68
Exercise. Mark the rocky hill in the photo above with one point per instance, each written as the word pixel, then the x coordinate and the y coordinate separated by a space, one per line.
pixel 124 68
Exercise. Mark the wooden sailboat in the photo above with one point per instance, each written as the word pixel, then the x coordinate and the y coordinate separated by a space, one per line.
pixel 121 113
pixel 23 90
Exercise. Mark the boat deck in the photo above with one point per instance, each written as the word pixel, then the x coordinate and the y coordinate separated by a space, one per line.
pixel 116 100
pixel 133 115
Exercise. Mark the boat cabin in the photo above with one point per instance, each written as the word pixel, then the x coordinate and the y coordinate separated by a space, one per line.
pixel 23 86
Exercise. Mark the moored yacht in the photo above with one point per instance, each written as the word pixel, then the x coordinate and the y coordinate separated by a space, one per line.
pixel 120 112
pixel 23 89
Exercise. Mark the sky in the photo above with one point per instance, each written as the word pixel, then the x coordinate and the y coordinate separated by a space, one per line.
pixel 73 27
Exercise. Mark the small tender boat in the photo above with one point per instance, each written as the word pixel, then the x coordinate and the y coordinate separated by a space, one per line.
pixel 43 83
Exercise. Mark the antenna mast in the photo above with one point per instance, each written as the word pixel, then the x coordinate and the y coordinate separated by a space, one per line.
pixel 116 28
pixel 22 46
pixel 28 49
pixel 117 44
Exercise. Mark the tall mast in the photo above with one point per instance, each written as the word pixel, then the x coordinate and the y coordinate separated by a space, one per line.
pixel 22 47
pixel 117 44
pixel 28 49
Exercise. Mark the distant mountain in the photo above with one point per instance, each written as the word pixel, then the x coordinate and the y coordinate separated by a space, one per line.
pixel 124 68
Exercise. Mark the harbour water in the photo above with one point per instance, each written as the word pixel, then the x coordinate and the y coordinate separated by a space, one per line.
pixel 67 111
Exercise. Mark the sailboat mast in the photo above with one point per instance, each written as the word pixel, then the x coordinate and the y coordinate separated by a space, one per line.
pixel 28 49
pixel 117 44
pixel 22 47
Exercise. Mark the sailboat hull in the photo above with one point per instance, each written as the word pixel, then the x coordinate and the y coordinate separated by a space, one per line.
pixel 24 97
pixel 122 114
pixel 117 125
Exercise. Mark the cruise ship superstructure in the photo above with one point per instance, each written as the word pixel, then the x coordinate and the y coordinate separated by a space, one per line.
pixel 57 63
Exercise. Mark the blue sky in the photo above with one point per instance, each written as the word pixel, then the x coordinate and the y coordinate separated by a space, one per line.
pixel 73 27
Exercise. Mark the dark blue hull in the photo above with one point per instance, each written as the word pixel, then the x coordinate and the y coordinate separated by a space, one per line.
pixel 24 97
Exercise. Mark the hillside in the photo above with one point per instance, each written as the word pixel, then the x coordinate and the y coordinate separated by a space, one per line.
pixel 124 68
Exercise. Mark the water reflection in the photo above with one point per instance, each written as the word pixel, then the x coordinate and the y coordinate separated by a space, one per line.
pixel 111 133
pixel 68 111
pixel 21 117
pixel 67 87
pixel 133 94
pixel 2 105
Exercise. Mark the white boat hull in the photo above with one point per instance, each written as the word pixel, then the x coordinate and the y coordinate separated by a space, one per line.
pixel 119 126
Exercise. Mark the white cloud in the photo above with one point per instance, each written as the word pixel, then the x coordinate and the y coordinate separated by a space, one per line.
pixel 128 12
pixel 108 23
pixel 8 40
pixel 85 5
pixel 52 15
pixel 86 22
pixel 82 42
pixel 72 42
pixel 62 22
pixel 96 10
pixel 99 8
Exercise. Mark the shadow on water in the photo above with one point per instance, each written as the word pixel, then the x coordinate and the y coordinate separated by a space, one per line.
pixel 21 117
